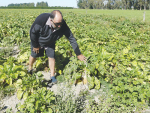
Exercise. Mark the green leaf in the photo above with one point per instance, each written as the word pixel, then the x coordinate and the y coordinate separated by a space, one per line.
pixel 77 75
pixel 60 72
pixel 1 69
pixel 19 94
pixel 19 81
pixel 31 99
pixel 22 73
pixel 125 51
pixel 135 82
pixel 97 83
pixel 25 95
pixel 23 57
pixel 9 81
pixel 134 63
pixel 37 104
pixel 141 65
pixel 148 77
pixel 97 65
pixel 42 108
pixel 50 110
pixel 39 74
pixel 15 75
pixel 131 89
pixel 90 82
pixel 21 107
pixel 52 98
pixel 32 111
pixel 16 68
pixel 148 94
pixel 2 77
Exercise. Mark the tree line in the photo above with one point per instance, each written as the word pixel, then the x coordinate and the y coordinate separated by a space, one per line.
pixel 43 5
pixel 114 4
pixel 38 4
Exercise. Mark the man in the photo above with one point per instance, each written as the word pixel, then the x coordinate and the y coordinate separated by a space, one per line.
pixel 46 29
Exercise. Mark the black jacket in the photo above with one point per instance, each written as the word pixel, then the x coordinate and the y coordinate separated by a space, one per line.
pixel 42 35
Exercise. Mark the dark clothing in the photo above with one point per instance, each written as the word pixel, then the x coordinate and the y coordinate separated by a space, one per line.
pixel 42 35
pixel 49 51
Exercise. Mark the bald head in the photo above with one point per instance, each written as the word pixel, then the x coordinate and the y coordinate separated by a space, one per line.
pixel 56 19
pixel 56 15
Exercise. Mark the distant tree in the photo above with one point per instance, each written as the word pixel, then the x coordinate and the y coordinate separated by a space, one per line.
pixel 148 2
pixel 22 5
pixel 109 4
pixel 42 4
pixel 79 4
pixel 117 4
pixel 83 4
pixel 140 3
pixel 145 3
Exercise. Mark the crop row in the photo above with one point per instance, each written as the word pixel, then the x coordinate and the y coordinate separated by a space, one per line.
pixel 117 50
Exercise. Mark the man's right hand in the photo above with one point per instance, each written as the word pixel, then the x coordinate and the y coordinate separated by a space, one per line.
pixel 36 50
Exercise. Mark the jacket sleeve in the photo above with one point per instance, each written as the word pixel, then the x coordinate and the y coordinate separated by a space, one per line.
pixel 34 35
pixel 72 40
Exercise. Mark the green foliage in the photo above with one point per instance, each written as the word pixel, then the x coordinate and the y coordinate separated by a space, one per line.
pixel 28 84
pixel 117 50
pixel 21 5
pixel 33 7
pixel 10 72
pixel 42 4
pixel 41 100
pixel 23 57
pixel 93 4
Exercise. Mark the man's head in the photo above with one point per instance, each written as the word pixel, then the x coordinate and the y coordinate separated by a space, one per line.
pixel 56 19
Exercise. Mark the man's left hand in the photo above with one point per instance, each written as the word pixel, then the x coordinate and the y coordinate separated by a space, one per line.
pixel 82 58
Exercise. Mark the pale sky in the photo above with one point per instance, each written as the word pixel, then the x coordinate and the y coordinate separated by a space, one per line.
pixel 68 3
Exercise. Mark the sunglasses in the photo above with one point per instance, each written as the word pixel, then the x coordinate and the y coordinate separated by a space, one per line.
pixel 57 24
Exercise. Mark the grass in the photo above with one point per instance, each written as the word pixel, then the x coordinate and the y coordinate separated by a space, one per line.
pixel 130 14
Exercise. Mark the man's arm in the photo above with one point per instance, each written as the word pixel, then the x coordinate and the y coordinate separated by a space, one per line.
pixel 72 40
pixel 73 43
pixel 34 35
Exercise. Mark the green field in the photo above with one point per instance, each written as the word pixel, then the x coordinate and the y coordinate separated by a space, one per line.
pixel 131 14
pixel 115 42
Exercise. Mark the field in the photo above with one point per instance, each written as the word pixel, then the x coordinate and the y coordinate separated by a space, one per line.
pixel 116 44
pixel 130 14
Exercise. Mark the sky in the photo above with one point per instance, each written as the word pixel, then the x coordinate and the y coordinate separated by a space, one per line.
pixel 68 3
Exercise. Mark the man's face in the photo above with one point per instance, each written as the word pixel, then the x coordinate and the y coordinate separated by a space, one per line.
pixel 57 21
pixel 56 24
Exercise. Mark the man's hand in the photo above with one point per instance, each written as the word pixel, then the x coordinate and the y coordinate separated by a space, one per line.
pixel 36 50
pixel 82 58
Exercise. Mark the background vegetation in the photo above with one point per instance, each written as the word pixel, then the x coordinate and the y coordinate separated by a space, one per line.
pixel 117 48
pixel 38 5
pixel 114 4
pixel 90 4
